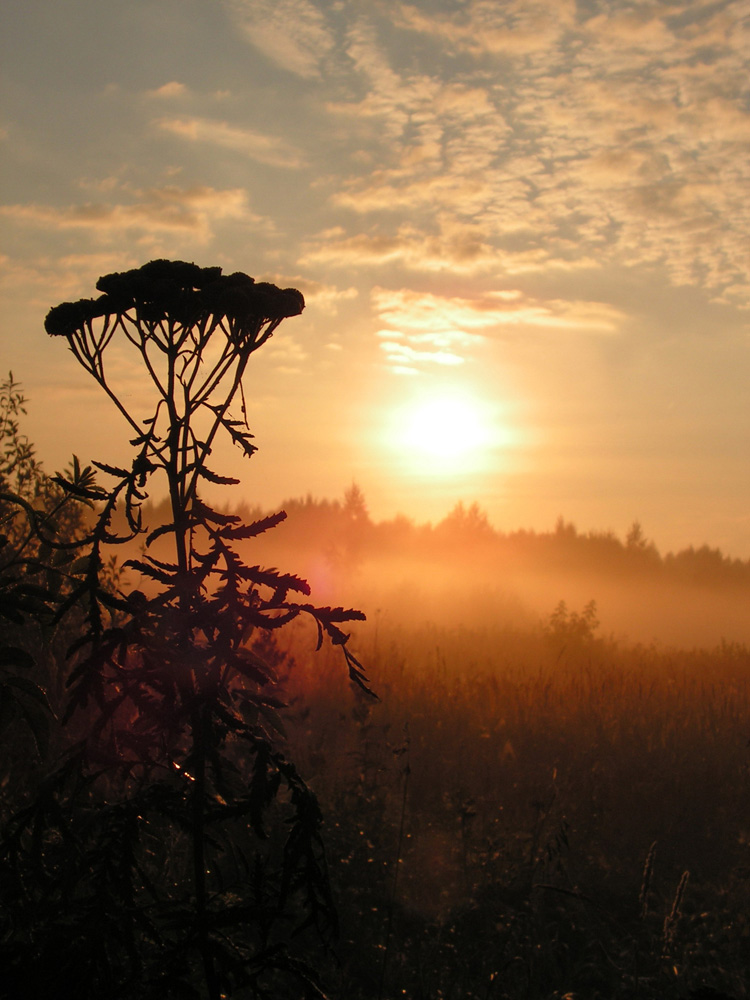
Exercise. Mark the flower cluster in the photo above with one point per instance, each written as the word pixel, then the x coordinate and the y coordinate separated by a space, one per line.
pixel 168 291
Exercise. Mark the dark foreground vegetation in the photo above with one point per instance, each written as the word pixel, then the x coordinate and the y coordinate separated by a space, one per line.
pixel 164 845
pixel 513 820
pixel 194 804
pixel 534 814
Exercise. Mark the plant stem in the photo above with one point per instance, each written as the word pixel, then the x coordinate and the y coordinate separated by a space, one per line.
pixel 198 724
pixel 391 903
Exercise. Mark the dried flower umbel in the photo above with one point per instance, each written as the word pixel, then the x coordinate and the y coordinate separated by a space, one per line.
pixel 195 329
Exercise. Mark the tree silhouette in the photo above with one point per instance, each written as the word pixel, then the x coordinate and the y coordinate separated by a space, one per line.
pixel 175 850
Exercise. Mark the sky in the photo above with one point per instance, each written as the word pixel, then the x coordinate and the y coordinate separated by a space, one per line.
pixel 522 230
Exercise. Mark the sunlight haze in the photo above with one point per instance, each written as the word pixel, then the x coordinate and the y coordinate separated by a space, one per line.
pixel 522 231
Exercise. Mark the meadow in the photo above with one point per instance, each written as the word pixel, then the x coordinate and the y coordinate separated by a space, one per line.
pixel 532 813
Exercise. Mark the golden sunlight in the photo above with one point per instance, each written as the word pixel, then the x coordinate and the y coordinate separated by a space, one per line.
pixel 445 434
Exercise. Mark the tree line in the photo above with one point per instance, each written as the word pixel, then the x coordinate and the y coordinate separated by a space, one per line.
pixel 344 531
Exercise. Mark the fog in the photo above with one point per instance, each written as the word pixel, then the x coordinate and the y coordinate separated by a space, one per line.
pixel 523 597
pixel 464 572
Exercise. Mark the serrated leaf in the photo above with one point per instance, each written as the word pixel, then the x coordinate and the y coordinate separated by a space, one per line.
pixel 357 673
pixel 112 470
pixel 256 528
pixel 245 662
pixel 158 532
pixel 202 512
pixel 37 716
pixel 168 567
pixel 13 656
pixel 150 571
pixel 31 689
pixel 213 477
pixel 273 717
pixel 38 723
pixel 7 708
pixel 240 437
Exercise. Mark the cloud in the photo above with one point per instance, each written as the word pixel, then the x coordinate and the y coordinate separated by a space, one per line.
pixel 569 141
pixel 288 355
pixel 151 210
pixel 291 33
pixel 404 357
pixel 426 126
pixel 29 287
pixel 422 328
pixel 515 27
pixel 257 146
pixel 168 91
pixel 457 248
pixel 322 297
pixel 333 246
pixel 462 320
pixel 417 187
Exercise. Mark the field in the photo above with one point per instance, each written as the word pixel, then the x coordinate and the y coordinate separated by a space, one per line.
pixel 532 813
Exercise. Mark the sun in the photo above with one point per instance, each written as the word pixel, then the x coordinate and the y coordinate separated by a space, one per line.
pixel 447 433
pixel 450 427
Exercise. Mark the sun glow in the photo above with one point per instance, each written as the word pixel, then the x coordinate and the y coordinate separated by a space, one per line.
pixel 446 434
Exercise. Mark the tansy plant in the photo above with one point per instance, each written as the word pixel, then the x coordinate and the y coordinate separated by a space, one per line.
pixel 175 851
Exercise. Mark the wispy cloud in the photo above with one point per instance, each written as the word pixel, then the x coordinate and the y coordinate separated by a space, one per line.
pixel 152 210
pixel 515 27
pixel 288 355
pixel 621 138
pixel 168 91
pixel 257 146
pixel 406 359
pixel 324 297
pixel 38 283
pixel 291 33
pixel 423 328
pixel 455 248
pixel 436 315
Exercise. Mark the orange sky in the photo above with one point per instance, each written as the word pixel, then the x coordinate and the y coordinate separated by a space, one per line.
pixel 522 231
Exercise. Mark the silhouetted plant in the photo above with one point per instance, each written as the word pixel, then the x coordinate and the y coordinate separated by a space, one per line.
pixel 573 627
pixel 40 527
pixel 175 851
pixel 20 472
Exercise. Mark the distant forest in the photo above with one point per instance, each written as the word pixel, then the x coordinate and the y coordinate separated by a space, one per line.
pixel 343 531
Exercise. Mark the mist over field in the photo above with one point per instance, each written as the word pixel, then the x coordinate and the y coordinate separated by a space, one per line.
pixel 462 572
pixel 522 594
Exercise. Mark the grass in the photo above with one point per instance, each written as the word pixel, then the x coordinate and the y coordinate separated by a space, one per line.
pixel 518 784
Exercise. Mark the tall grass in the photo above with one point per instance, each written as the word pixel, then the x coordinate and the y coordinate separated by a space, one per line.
pixel 542 772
